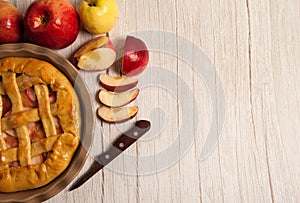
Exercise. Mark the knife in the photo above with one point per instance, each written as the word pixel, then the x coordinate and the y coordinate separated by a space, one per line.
pixel 120 145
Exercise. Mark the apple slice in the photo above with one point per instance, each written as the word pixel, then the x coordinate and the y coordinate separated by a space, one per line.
pixel 136 56
pixel 31 94
pixel 97 54
pixel 11 141
pixel 117 83
pixel 37 159
pixel 11 132
pixel 6 105
pixel 27 101
pixel 98 59
pixel 119 99
pixel 91 45
pixel 117 115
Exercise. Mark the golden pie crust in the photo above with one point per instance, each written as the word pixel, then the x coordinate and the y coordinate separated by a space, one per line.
pixel 18 74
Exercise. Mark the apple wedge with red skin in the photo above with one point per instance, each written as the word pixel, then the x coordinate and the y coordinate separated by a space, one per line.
pixel 117 83
pixel 113 99
pixel 51 23
pixel 136 56
pixel 96 55
pixel 91 45
pixel 117 115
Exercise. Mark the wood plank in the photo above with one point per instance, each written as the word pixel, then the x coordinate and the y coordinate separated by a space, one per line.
pixel 254 46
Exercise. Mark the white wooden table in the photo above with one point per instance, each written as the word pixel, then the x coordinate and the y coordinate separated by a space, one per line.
pixel 255 48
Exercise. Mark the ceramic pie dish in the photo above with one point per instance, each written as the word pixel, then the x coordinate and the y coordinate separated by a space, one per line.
pixel 63 155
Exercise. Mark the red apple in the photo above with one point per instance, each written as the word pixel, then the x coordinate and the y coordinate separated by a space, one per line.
pixel 51 23
pixel 11 23
pixel 136 56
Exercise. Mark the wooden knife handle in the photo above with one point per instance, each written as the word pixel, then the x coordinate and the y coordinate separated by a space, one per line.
pixel 120 145
pixel 124 141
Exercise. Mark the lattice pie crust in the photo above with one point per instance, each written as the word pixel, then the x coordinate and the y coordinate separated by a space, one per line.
pixel 32 158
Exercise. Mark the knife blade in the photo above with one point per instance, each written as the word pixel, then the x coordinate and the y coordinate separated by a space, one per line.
pixel 119 146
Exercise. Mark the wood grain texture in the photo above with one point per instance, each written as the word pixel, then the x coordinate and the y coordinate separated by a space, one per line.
pixel 255 47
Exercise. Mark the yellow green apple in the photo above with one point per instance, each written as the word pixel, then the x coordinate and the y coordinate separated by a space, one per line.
pixel 98 16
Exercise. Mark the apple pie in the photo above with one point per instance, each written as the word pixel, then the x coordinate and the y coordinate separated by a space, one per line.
pixel 40 123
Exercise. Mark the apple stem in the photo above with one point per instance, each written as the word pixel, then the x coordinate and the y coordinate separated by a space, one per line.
pixel 44 19
pixel 92 4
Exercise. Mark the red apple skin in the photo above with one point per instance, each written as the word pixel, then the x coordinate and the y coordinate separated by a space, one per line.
pixel 6 104
pixel 51 23
pixel 11 23
pixel 109 44
pixel 136 56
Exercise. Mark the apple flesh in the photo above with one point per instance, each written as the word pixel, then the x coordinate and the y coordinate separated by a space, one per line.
pixel 31 94
pixel 28 100
pixel 117 83
pixel 117 115
pixel 97 54
pixel 112 99
pixel 51 23
pixel 136 56
pixel 97 60
pixel 91 45
pixel 98 16
pixel 11 23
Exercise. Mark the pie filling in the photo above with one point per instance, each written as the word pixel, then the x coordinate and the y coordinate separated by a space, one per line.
pixel 35 129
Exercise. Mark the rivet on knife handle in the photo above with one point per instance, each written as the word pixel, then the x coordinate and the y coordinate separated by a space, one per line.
pixel 120 145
